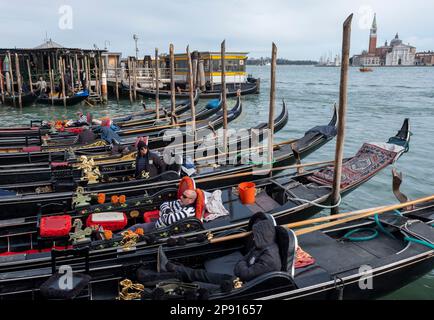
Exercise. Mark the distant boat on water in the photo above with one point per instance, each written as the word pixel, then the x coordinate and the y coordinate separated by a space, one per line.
pixel 365 69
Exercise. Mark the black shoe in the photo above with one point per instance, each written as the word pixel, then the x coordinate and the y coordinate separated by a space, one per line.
pixel 292 252
pixel 161 260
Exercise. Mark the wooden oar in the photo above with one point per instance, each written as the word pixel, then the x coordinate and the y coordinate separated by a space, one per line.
pixel 243 174
pixel 184 124
pixel 347 217
pixel 246 149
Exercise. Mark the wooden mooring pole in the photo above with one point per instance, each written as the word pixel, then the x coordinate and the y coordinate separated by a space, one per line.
pixel 30 75
pixel 135 78
pixel 20 85
pixel 12 77
pixel 2 85
pixel 117 84
pixel 77 66
pixel 224 94
pixel 62 77
pixel 50 75
pixel 191 90
pixel 346 40
pixel 272 106
pixel 172 84
pixel 157 87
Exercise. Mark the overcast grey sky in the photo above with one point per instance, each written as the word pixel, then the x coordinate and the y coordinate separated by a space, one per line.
pixel 301 29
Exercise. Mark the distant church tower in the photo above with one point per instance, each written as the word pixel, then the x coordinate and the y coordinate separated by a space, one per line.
pixel 373 37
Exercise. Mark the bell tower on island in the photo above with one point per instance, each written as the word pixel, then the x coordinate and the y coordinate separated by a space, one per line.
pixel 373 37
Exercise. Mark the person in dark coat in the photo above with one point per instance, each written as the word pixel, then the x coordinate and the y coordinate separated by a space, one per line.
pixel 264 257
pixel 86 136
pixel 148 163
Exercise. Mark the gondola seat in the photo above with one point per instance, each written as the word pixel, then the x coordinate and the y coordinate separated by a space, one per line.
pixel 57 287
pixel 113 221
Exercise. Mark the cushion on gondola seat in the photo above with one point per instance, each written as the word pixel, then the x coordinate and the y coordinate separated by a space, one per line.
pixel 200 204
pixel 74 130
pixel 112 221
pixel 32 149
pixel 55 226
pixel 50 289
pixel 150 216
pixel 59 164
pixel 186 183
pixel 303 259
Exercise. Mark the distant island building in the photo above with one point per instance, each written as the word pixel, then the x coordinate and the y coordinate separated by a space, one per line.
pixel 425 58
pixel 396 53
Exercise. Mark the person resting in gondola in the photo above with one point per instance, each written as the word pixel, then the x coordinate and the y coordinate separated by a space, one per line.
pixel 263 257
pixel 148 163
pixel 107 133
pixel 81 121
pixel 171 212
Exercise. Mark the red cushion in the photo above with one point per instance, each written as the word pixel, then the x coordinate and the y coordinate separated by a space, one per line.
pixel 32 149
pixel 32 251
pixel 186 183
pixel 151 216
pixel 55 226
pixel 112 221
pixel 74 130
pixel 200 204
pixel 59 164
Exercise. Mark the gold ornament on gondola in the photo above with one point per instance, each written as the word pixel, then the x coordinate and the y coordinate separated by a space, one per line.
pixel 128 286
pixel 91 172
pixel 145 174
pixel 129 239
pixel 80 199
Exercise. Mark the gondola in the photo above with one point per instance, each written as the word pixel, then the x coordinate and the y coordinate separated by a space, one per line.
pixel 287 197
pixel 11 176
pixel 252 86
pixel 37 128
pixel 27 99
pixel 14 155
pixel 77 98
pixel 330 266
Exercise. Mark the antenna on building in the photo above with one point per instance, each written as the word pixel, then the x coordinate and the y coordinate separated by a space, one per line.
pixel 135 37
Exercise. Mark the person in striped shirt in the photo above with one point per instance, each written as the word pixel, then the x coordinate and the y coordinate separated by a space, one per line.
pixel 171 212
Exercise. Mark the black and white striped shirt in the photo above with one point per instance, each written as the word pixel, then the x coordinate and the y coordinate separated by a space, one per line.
pixel 173 211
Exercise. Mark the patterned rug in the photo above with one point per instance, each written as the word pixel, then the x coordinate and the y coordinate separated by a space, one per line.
pixel 368 161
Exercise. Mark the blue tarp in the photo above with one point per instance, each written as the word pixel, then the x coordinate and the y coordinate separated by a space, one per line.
pixel 212 104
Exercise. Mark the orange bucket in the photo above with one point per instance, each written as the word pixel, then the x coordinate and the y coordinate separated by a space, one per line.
pixel 247 192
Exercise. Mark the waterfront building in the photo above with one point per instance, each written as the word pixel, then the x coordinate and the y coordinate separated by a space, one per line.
pixel 425 58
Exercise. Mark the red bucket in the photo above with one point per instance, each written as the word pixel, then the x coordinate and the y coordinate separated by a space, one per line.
pixel 247 192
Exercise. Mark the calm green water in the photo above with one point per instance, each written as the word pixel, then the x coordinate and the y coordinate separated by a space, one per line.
pixel 378 103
